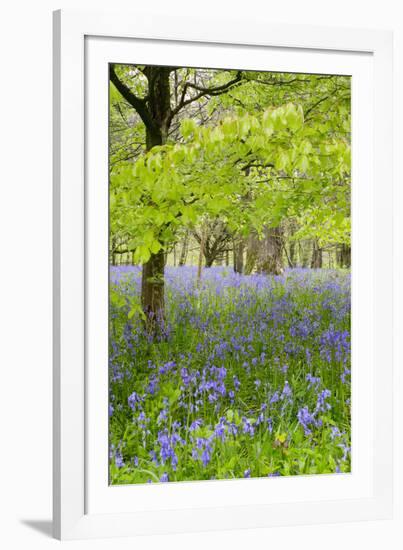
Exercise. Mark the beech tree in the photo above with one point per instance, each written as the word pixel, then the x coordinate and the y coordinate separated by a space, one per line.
pixel 156 112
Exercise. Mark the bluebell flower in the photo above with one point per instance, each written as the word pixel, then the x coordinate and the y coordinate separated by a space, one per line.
pixel 346 450
pixel 167 367
pixel 152 385
pixel 259 419
pixel 163 415
pixel 195 454
pixel 306 419
pixel 154 458
pixel 220 429
pixel 119 460
pixel 269 423
pixel 334 432
pixel 134 400
pixel 247 426
pixel 312 380
pixel 206 456
pixel 287 391
pixel 195 424
pixel 274 398
pixel 321 404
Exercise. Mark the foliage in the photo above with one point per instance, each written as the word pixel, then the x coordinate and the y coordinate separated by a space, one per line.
pixel 251 171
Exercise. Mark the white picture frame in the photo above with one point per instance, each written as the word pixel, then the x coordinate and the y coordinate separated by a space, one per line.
pixel 84 505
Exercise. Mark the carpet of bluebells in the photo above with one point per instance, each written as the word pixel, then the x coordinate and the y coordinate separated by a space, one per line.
pixel 248 377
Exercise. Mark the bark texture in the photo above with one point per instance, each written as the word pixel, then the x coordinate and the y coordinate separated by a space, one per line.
pixel 152 291
pixel 316 262
pixel 270 259
pixel 239 247
pixel 265 255
pixel 343 255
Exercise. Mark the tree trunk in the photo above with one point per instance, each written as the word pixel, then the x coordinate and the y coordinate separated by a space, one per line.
pixel 152 283
pixel 252 246
pixel 216 237
pixel 152 291
pixel 305 253
pixel 266 255
pixel 201 253
pixel 184 250
pixel 239 247
pixel 344 256
pixel 316 262
pixel 293 253
pixel 270 258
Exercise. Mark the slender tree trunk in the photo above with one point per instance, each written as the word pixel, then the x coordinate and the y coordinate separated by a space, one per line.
pixel 252 246
pixel 290 262
pixel 344 256
pixel 316 262
pixel 184 249
pixel 201 253
pixel 292 254
pixel 239 246
pixel 305 253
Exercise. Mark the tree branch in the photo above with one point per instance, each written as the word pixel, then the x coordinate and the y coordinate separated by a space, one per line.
pixel 215 90
pixel 137 103
pixel 317 103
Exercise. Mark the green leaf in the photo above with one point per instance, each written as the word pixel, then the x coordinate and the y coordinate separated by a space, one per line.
pixel 188 127
pixel 155 247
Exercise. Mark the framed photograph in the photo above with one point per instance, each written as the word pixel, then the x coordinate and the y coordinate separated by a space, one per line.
pixel 222 311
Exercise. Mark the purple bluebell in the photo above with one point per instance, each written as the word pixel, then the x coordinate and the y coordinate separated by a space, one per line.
pixel 306 419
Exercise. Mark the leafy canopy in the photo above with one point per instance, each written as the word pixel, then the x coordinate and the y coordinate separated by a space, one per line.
pixel 249 170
